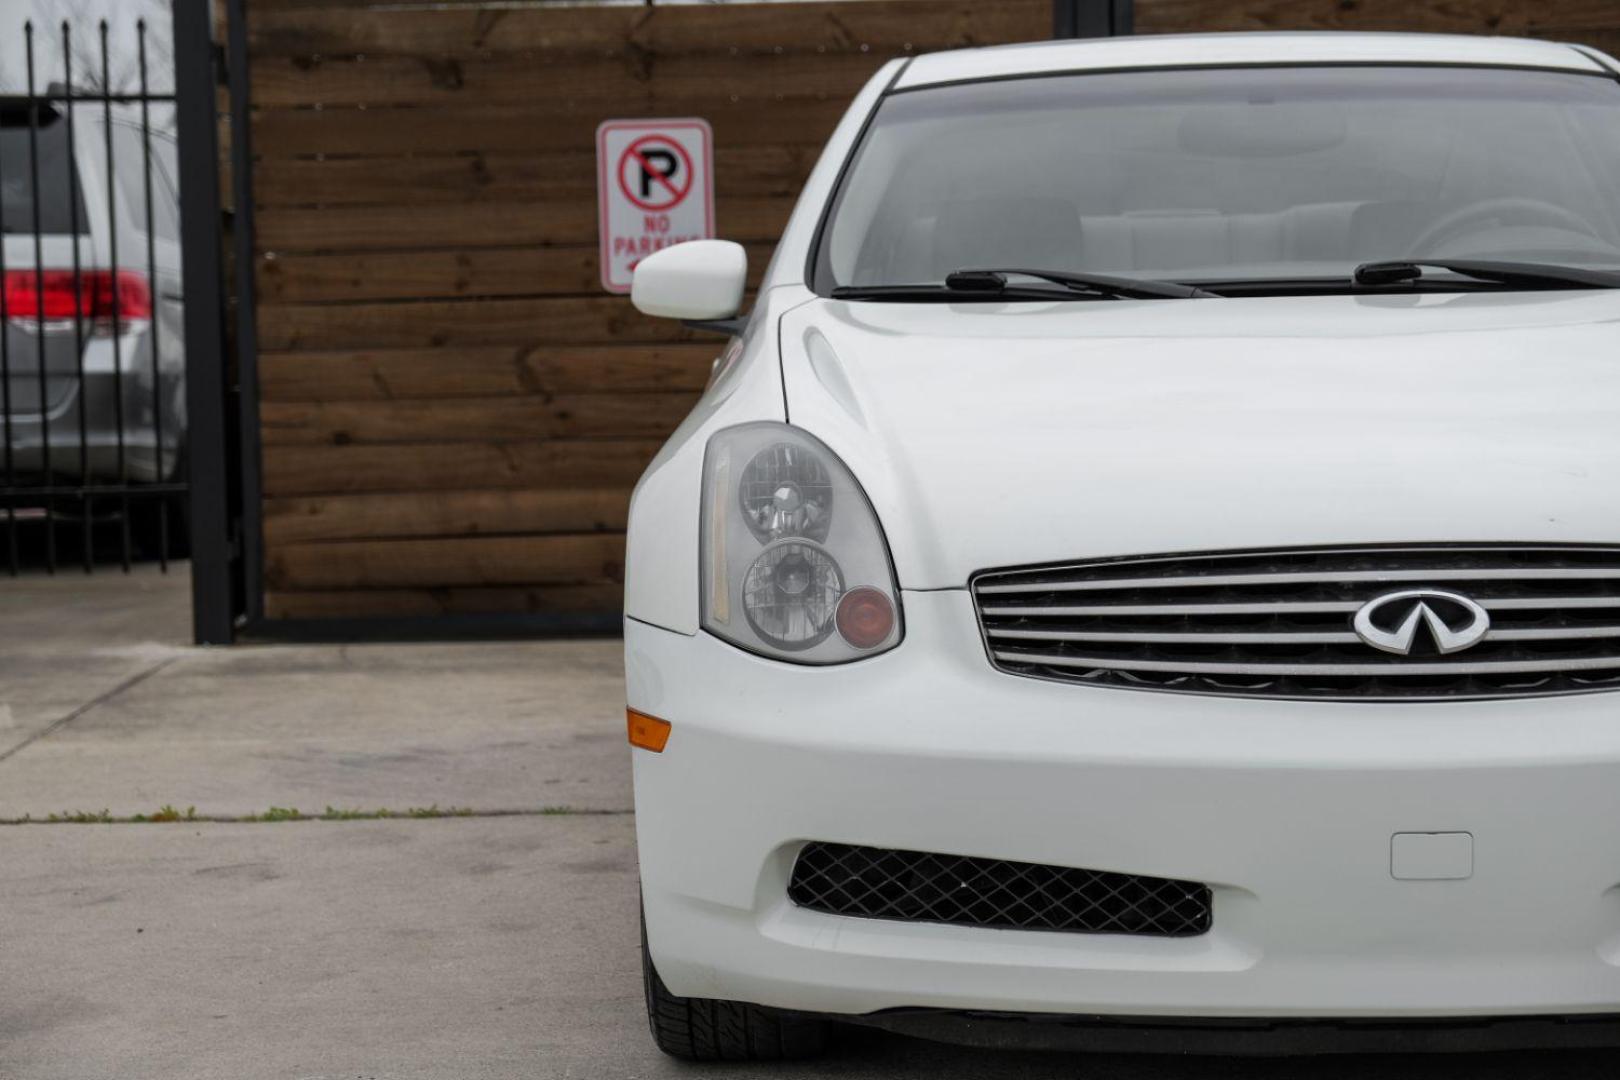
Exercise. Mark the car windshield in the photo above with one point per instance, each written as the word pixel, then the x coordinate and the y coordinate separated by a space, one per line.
pixel 1230 174
pixel 58 203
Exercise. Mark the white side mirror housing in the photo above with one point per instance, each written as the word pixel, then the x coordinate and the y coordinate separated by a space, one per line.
pixel 700 279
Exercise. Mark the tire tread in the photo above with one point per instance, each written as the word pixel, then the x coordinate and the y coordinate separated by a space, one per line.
pixel 710 1029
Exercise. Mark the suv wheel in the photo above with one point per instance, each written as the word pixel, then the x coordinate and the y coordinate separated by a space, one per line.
pixel 707 1029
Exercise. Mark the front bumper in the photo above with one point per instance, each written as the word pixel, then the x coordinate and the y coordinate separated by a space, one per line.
pixel 1287 809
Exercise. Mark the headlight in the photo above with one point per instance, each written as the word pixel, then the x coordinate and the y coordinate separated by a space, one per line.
pixel 786 491
pixel 794 561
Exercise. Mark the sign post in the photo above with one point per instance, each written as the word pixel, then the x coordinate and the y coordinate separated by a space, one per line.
pixel 654 188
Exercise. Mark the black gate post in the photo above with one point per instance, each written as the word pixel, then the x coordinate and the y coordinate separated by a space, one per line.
pixel 1092 18
pixel 250 504
pixel 213 593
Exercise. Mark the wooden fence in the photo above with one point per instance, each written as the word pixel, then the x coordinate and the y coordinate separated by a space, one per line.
pixel 453 413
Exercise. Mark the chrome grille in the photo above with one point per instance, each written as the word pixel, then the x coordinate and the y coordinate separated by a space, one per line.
pixel 1279 623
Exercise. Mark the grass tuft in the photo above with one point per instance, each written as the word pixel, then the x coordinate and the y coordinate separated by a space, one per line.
pixel 81 817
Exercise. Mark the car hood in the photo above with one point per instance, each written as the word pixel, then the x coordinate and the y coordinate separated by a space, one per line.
pixel 992 435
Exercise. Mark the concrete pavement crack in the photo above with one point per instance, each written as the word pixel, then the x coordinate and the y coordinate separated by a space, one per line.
pixel 101 699
pixel 284 816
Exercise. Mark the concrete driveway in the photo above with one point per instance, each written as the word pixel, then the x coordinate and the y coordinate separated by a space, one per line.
pixel 484 928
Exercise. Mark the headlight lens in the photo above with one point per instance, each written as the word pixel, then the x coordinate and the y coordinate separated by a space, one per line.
pixel 786 491
pixel 791 593
pixel 794 561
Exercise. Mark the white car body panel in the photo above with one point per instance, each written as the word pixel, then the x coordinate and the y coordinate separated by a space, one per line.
pixel 1003 434
pixel 1286 808
pixel 995 435
pixel 661 556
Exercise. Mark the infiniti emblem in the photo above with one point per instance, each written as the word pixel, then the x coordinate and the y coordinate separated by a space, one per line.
pixel 1390 622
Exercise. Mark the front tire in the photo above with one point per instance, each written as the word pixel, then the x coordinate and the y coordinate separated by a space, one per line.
pixel 708 1029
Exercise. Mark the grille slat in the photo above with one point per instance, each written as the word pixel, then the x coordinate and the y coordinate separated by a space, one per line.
pixel 1187 638
pixel 1182 609
pixel 1394 577
pixel 1447 667
pixel 1554 634
pixel 1290 607
pixel 917 886
pixel 1280 623
pixel 1330 637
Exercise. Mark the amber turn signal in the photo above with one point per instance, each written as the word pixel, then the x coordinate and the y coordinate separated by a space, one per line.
pixel 647 732
pixel 865 617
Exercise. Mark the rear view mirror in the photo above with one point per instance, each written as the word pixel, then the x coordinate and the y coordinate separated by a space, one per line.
pixel 701 280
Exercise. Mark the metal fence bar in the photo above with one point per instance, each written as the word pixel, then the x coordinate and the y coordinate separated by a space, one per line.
pixel 102 491
pixel 1092 18
pixel 49 96
pixel 116 291
pixel 1124 17
pixel 87 536
pixel 157 321
pixel 39 296
pixel 247 331
pixel 5 393
pixel 212 596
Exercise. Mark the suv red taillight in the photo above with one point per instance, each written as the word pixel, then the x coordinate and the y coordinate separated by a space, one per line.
pixel 31 296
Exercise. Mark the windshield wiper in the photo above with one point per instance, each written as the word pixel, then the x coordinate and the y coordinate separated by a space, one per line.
pixel 993 285
pixel 1127 288
pixel 944 293
pixel 1530 275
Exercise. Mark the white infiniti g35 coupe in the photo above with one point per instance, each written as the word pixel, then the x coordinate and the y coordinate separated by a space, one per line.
pixel 1146 571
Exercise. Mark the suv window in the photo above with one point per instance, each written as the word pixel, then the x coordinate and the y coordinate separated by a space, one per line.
pixel 165 195
pixel 129 166
pixel 57 198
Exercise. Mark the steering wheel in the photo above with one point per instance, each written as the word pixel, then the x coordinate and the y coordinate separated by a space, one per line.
pixel 1508 209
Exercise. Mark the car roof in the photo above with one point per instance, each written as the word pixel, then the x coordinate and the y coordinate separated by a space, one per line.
pixel 1237 49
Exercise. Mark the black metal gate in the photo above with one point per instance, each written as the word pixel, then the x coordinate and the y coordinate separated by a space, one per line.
pixel 113 380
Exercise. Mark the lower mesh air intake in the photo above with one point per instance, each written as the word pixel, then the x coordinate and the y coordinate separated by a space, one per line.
pixel 916 886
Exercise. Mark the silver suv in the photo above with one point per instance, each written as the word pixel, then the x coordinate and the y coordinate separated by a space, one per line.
pixel 92 356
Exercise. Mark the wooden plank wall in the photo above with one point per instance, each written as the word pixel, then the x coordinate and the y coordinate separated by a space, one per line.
pixel 1589 22
pixel 453 413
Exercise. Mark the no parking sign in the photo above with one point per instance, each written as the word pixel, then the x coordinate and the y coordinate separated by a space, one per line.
pixel 654 188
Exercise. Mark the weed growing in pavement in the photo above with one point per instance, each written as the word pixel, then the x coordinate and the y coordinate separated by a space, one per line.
pixel 81 817
pixel 167 813
pixel 434 811
pixel 334 814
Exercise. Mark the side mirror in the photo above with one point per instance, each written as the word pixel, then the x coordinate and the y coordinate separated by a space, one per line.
pixel 699 280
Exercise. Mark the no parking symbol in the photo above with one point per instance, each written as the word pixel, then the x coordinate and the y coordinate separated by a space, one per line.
pixel 655 187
